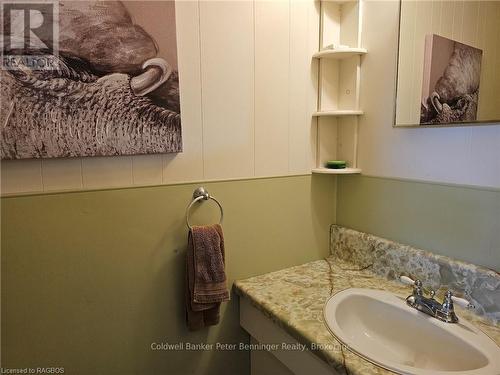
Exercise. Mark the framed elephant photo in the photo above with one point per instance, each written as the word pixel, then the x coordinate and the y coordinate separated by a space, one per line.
pixel 89 78
pixel 451 81
pixel 447 64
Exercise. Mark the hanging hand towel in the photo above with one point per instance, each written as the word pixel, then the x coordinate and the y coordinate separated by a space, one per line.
pixel 206 278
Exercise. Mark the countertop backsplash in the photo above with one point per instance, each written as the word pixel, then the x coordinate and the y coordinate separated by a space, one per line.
pixel 390 259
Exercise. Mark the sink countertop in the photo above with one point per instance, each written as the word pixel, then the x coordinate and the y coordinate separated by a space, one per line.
pixel 294 299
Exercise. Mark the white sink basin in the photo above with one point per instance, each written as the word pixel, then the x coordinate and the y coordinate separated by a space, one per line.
pixel 380 327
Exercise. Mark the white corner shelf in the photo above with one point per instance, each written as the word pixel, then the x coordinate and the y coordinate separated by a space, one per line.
pixel 346 112
pixel 339 54
pixel 337 171
pixel 339 83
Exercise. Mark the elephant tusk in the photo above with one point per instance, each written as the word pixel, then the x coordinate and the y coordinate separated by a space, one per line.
pixel 435 102
pixel 156 72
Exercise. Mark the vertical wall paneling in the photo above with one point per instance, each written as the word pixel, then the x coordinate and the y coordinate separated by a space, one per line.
pixel 272 81
pixel 470 22
pixel 147 169
pixel 188 165
pixel 99 172
pixel 436 15
pixel 227 80
pixel 481 43
pixel 248 88
pixel 446 27
pixel 62 174
pixel 407 32
pixel 225 142
pixel 491 29
pixel 423 26
pixel 21 176
pixel 458 21
pixel 314 45
pixel 300 86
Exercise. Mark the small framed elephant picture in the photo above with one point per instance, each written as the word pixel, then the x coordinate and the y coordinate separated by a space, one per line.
pixel 451 79
pixel 89 78
pixel 447 64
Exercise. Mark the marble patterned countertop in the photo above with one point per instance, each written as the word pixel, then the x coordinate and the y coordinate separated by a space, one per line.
pixel 294 299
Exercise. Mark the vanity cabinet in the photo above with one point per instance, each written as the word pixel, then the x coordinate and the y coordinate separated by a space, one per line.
pixel 286 357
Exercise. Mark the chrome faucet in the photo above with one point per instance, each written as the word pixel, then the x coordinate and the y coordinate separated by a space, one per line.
pixel 443 311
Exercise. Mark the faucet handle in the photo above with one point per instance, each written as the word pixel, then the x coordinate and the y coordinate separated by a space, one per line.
pixel 462 302
pixel 418 288
pixel 406 280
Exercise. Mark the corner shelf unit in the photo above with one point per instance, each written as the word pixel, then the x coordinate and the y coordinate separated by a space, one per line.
pixel 339 54
pixel 348 112
pixel 336 171
pixel 339 74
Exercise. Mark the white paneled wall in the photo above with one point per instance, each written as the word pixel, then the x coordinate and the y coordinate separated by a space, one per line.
pixel 247 95
pixel 272 81
pixel 473 22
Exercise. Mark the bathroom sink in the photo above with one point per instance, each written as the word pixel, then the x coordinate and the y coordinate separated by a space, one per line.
pixel 382 328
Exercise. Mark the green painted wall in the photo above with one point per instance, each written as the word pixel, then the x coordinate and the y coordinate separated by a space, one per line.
pixel 91 279
pixel 460 222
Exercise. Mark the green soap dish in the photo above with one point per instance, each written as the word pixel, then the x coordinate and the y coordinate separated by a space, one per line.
pixel 335 164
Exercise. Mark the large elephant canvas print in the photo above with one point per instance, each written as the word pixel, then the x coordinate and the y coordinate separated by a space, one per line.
pixel 113 88
pixel 450 89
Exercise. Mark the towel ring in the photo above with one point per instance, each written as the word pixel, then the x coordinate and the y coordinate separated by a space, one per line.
pixel 198 195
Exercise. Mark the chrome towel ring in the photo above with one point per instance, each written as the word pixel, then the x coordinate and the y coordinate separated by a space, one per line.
pixel 198 195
